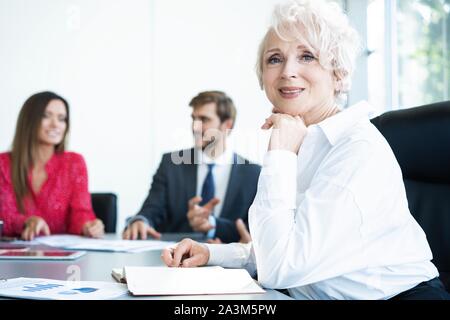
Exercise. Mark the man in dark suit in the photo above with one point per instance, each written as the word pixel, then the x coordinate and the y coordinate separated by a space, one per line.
pixel 204 189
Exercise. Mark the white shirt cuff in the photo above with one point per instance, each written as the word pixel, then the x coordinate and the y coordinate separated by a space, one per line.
pixel 233 255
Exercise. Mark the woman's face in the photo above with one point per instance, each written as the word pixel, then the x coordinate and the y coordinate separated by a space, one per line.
pixel 293 79
pixel 53 123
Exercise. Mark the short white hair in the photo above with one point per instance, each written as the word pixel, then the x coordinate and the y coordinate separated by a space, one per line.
pixel 325 27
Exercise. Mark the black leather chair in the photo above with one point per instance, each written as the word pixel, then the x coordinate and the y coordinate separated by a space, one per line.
pixel 105 208
pixel 420 139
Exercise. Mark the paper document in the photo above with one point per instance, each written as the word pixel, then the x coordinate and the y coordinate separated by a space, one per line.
pixel 189 281
pixel 82 243
pixel 47 289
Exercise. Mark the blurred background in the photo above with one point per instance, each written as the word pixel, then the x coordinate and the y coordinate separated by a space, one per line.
pixel 130 68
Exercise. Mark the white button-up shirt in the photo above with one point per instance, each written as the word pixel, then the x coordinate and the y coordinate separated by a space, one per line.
pixel 333 221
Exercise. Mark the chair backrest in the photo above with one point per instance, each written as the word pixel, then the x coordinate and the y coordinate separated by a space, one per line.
pixel 420 139
pixel 105 208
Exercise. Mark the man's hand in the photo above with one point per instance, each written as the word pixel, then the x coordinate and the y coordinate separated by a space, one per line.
pixel 243 233
pixel 140 229
pixel 288 132
pixel 186 254
pixel 94 229
pixel 33 227
pixel 199 216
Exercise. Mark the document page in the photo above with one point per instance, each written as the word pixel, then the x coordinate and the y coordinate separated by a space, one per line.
pixel 189 281
pixel 82 243
pixel 36 288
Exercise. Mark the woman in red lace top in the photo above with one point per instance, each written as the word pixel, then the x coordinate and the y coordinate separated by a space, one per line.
pixel 43 188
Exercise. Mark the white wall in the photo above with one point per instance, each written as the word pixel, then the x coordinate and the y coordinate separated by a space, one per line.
pixel 129 69
pixel 97 54
pixel 208 45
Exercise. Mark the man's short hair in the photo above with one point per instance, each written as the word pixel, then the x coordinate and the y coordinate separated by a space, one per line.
pixel 225 108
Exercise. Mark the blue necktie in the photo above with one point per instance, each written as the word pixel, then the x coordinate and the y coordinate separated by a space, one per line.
pixel 208 189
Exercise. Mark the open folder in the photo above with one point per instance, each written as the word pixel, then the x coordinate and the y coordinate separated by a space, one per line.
pixel 189 281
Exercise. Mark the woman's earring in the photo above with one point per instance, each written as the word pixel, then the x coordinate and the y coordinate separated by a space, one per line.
pixel 338 87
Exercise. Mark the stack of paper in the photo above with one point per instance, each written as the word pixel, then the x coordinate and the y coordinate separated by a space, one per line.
pixel 189 281
pixel 82 243
pixel 36 288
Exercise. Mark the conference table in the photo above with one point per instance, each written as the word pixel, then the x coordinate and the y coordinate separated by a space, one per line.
pixel 97 266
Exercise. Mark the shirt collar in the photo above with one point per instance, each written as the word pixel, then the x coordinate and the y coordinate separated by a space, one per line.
pixel 51 164
pixel 223 159
pixel 50 168
pixel 336 126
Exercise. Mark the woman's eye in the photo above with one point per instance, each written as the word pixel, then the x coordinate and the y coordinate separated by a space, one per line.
pixel 274 60
pixel 307 58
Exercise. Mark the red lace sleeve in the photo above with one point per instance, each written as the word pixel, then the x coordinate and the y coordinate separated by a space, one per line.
pixel 80 205
pixel 13 220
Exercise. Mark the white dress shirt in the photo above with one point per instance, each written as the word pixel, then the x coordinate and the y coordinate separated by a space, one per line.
pixel 333 221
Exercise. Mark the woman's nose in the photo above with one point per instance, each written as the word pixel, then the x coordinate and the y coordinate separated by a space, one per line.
pixel 290 70
pixel 54 122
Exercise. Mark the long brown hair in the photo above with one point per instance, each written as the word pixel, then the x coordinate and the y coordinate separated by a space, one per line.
pixel 26 141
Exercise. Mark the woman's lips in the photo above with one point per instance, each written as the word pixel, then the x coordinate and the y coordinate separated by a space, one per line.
pixel 290 92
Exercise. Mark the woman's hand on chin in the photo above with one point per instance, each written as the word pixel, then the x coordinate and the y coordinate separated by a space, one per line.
pixel 288 132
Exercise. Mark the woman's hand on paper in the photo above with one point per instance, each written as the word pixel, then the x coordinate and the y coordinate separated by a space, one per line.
pixel 94 229
pixel 33 227
pixel 186 254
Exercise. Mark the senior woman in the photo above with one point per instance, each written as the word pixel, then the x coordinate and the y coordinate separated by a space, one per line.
pixel 330 219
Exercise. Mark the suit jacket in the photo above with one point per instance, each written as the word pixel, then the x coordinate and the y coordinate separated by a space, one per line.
pixel 175 183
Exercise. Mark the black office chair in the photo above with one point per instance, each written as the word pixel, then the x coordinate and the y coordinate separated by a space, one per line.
pixel 105 208
pixel 420 139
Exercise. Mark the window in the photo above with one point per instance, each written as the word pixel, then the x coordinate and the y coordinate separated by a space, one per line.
pixel 409 60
